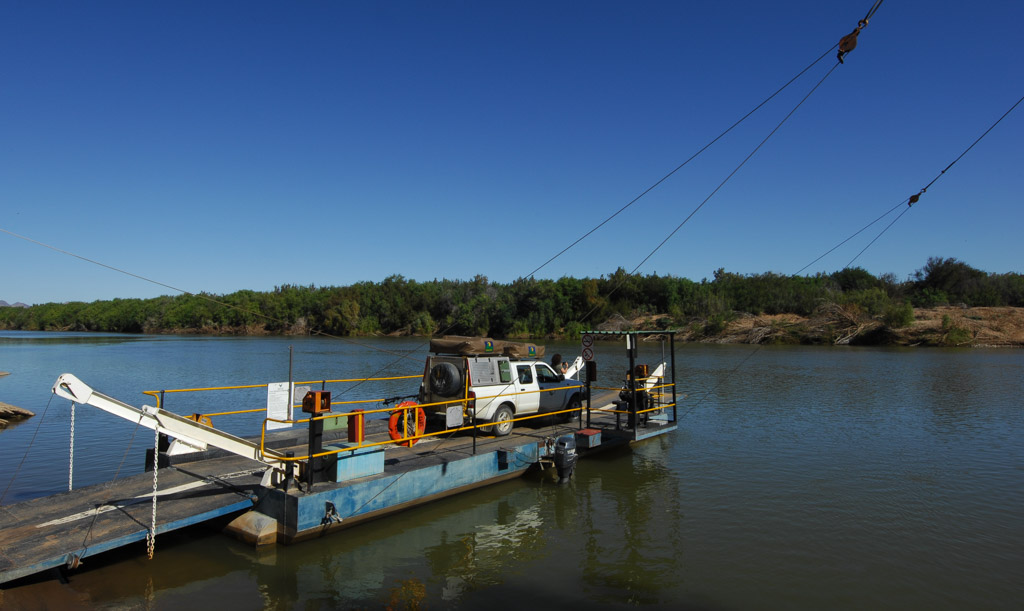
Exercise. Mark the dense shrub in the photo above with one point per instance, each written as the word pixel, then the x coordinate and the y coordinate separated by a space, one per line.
pixel 528 306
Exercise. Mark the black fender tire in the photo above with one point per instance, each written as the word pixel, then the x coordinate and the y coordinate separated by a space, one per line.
pixel 445 379
pixel 575 404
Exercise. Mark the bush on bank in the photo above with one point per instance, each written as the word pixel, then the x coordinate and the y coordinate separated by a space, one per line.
pixel 528 307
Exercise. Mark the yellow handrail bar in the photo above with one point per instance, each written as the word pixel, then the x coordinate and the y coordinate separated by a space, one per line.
pixel 395 441
pixel 464 401
pixel 639 411
pixel 157 393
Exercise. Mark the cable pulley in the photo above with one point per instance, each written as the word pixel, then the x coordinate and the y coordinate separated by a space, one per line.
pixel 849 42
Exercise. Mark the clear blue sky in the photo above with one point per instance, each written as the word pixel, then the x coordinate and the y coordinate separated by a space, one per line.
pixel 218 146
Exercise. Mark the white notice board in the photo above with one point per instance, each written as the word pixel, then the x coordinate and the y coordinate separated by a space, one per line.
pixel 280 402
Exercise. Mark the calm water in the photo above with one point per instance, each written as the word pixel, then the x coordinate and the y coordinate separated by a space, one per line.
pixel 800 478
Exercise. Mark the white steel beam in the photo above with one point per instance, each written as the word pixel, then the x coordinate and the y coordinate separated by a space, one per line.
pixel 184 430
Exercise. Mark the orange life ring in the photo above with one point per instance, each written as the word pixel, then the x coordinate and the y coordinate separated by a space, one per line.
pixel 397 426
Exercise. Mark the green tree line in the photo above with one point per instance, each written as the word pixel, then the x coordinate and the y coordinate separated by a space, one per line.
pixel 528 307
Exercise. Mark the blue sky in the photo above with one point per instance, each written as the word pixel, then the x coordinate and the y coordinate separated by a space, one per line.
pixel 242 145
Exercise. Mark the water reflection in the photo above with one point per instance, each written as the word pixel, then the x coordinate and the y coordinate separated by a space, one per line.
pixel 69 337
pixel 630 519
pixel 807 478
pixel 436 553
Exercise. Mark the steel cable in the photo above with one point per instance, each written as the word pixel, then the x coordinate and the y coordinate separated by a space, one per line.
pixel 912 199
pixel 683 164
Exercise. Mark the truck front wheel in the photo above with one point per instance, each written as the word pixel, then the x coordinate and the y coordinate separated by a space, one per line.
pixel 576 405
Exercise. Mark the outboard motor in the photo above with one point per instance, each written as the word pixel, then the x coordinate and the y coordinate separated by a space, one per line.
pixel 565 457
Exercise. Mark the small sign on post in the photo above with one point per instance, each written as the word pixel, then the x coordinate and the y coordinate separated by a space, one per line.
pixel 587 344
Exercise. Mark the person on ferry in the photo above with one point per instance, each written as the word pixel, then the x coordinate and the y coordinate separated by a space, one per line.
pixel 558 365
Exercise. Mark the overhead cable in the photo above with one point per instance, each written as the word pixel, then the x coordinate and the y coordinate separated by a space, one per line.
pixel 719 187
pixel 681 165
pixel 863 22
pixel 737 169
pixel 910 201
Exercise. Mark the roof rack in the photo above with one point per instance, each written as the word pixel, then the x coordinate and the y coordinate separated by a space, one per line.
pixel 484 346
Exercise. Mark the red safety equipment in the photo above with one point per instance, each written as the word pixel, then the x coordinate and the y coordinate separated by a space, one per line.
pixel 399 427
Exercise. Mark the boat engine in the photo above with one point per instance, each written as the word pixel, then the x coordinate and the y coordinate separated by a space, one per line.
pixel 565 457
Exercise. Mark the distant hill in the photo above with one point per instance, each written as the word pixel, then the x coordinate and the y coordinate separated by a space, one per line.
pixel 4 304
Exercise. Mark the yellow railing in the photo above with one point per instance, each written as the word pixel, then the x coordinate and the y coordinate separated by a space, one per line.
pixel 364 444
pixel 651 391
pixel 159 396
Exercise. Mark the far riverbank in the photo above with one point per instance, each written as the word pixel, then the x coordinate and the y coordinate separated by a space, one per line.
pixel 942 326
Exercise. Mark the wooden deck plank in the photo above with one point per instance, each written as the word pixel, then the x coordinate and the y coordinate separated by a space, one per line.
pixel 41 533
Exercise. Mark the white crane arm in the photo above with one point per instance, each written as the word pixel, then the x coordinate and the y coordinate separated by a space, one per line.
pixel 189 432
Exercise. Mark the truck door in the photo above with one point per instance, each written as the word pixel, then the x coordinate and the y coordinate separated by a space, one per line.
pixel 552 397
pixel 526 383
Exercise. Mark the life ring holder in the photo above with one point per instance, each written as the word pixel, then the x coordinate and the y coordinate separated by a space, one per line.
pixel 395 422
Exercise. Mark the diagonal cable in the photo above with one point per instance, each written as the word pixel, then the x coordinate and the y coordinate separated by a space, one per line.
pixel 712 194
pixel 681 165
pixel 913 199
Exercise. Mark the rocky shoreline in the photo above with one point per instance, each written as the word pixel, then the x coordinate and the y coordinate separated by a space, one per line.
pixel 943 326
pixel 9 413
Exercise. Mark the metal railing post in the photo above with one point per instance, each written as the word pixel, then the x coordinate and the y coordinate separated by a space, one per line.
pixel 672 348
pixel 589 394
pixel 631 380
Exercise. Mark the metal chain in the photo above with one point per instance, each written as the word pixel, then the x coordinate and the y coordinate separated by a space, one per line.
pixel 151 537
pixel 71 458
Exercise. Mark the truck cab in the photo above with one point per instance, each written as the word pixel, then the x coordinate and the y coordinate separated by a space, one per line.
pixel 493 381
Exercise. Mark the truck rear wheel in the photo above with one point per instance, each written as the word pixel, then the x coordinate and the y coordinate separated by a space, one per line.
pixel 500 429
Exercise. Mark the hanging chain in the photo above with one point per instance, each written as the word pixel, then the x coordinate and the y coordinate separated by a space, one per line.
pixel 151 537
pixel 71 458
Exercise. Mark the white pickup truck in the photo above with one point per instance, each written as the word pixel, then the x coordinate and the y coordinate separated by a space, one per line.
pixel 489 379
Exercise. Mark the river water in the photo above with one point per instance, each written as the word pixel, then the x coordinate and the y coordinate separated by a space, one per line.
pixel 800 478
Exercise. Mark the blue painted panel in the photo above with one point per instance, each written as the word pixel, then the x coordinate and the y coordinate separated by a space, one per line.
pixel 357 462
pixel 385 492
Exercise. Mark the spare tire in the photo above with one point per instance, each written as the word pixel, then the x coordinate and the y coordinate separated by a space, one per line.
pixel 445 379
